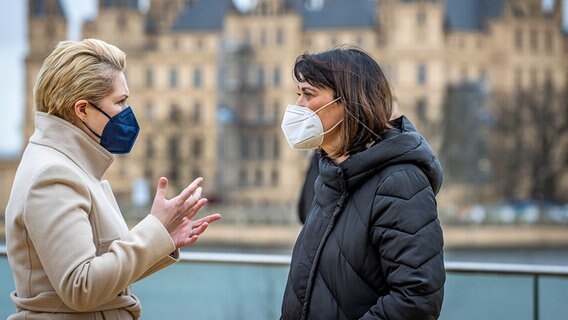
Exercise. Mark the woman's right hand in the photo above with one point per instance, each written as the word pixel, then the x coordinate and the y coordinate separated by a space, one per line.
pixel 176 214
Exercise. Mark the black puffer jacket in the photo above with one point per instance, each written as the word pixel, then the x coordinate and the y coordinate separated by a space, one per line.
pixel 372 245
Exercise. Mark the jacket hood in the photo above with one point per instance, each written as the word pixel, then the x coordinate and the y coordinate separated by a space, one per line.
pixel 402 144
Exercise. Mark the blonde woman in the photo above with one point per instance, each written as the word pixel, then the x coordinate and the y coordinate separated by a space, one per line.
pixel 70 251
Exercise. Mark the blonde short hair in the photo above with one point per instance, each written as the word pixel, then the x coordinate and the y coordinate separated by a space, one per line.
pixel 76 70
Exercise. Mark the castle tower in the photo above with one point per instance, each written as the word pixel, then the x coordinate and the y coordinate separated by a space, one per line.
pixel 411 43
pixel 47 25
pixel 119 22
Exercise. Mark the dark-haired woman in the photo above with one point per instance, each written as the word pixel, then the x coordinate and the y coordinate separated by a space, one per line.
pixel 372 245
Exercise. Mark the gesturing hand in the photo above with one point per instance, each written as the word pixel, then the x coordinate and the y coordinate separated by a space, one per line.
pixel 177 213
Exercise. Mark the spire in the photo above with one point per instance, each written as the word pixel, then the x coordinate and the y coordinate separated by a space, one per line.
pixel 39 8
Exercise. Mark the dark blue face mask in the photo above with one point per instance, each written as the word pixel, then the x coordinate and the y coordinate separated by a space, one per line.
pixel 120 133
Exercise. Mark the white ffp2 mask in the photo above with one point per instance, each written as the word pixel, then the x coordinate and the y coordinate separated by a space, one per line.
pixel 303 128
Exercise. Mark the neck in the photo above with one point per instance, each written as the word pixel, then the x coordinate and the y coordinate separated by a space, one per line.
pixel 340 159
pixel 331 149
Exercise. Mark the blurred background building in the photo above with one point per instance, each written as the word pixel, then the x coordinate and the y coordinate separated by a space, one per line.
pixel 210 81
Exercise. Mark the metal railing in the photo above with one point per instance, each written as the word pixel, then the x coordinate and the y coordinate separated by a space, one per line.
pixel 470 268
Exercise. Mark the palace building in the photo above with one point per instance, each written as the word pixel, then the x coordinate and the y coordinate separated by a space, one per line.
pixel 209 81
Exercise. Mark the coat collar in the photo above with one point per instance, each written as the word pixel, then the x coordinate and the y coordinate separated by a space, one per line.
pixel 65 137
pixel 402 144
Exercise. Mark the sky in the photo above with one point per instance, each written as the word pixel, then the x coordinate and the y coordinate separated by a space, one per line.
pixel 13 50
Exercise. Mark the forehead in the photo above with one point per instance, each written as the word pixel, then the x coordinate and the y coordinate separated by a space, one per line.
pixel 120 86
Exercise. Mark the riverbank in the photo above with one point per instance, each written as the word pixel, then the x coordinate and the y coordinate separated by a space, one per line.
pixel 282 237
pixel 454 236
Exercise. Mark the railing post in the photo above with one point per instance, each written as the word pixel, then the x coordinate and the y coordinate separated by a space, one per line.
pixel 535 297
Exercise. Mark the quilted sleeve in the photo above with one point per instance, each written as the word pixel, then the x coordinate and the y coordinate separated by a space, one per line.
pixel 407 234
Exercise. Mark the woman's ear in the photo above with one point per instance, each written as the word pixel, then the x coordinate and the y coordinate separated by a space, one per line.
pixel 80 108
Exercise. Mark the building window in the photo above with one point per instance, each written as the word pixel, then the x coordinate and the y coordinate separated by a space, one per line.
pixel 197 78
pixel 245 148
pixel 148 173
pixel 243 178
pixel 274 178
pixel 279 36
pixel 173 78
pixel 174 174
pixel 421 18
pixel 548 80
pixel 422 76
pixel 518 78
pixel 276 76
pixel 519 39
pixel 122 22
pixel 149 147
pixel 260 76
pixel 421 109
pixel 533 78
pixel 549 41
pixel 149 111
pixel 276 110
pixel 534 40
pixel 276 148
pixel 260 147
pixel 175 113
pixel 264 8
pixel 173 151
pixel 149 78
pixel 260 111
pixel 197 148
pixel 258 177
pixel 196 112
pixel 262 37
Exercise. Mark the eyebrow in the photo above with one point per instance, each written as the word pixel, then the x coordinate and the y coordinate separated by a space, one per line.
pixel 306 89
pixel 123 96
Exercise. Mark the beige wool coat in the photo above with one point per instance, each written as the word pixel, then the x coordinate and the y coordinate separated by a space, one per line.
pixel 69 248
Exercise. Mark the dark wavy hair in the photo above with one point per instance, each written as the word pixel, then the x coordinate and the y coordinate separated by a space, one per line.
pixel 358 80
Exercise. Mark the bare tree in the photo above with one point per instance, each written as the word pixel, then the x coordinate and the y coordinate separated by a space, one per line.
pixel 530 144
pixel 465 134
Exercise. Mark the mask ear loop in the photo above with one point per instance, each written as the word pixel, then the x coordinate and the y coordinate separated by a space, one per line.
pixel 335 126
pixel 327 104
pixel 354 117
pixel 324 106
pixel 101 110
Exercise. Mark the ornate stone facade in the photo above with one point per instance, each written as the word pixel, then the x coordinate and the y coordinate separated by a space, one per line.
pixel 209 83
